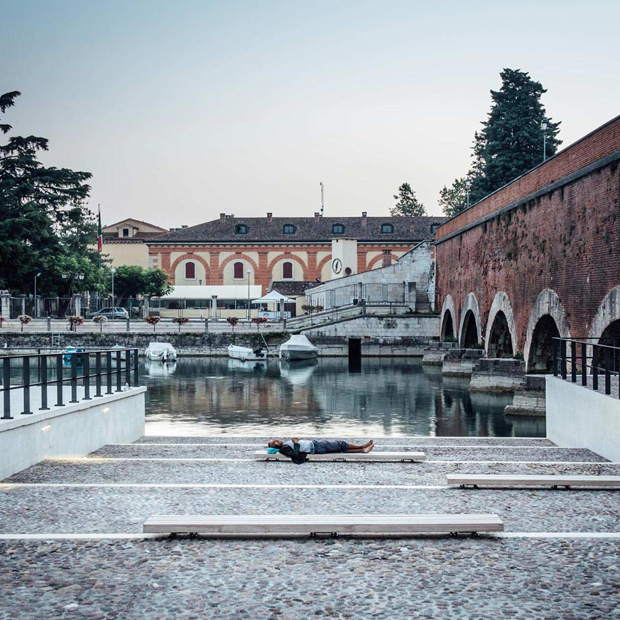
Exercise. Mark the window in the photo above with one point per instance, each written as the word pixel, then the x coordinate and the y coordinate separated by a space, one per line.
pixel 241 229
pixel 288 229
pixel 434 227
pixel 190 270
pixel 238 271
pixel 287 271
pixel 387 228
pixel 125 232
pixel 338 229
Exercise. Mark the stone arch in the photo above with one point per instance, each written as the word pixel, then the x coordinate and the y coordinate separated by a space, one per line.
pixel 322 263
pixel 500 339
pixel 547 303
pixel 288 257
pixel 194 257
pixel 470 333
pixel 376 259
pixel 540 354
pixel 448 319
pixel 606 324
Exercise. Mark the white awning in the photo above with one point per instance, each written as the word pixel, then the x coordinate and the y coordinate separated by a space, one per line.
pixel 273 297
pixel 234 291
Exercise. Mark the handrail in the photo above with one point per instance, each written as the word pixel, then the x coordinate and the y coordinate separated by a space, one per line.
pixel 118 363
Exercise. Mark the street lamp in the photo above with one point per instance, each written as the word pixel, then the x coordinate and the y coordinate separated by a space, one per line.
pixel 467 189
pixel 36 313
pixel 113 300
pixel 249 271
pixel 544 126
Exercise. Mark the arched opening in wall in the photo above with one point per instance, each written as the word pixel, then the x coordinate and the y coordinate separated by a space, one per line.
pixel 500 342
pixel 238 271
pixel 447 327
pixel 470 331
pixel 610 337
pixel 287 271
pixel 541 350
pixel 190 271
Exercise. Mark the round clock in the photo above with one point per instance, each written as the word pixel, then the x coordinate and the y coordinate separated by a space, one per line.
pixel 336 265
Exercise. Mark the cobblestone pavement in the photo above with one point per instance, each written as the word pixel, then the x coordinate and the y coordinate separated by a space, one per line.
pixel 551 578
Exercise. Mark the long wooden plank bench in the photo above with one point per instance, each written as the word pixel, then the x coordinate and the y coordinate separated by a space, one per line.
pixel 342 457
pixel 313 525
pixel 553 481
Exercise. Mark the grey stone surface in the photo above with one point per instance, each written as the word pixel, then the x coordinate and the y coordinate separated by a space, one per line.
pixel 480 579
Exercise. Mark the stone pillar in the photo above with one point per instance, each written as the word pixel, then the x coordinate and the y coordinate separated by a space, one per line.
pixel 214 307
pixel 5 304
pixel 146 306
pixel 282 309
pixel 77 304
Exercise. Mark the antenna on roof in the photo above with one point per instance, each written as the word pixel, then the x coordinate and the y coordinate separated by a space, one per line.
pixel 322 201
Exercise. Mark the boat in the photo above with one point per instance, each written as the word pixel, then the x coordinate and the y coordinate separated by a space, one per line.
pixel 246 354
pixel 298 347
pixel 161 352
pixel 69 352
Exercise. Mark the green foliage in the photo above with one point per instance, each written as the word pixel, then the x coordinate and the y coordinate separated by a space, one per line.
pixel 132 280
pixel 511 140
pixel 407 202
pixel 453 199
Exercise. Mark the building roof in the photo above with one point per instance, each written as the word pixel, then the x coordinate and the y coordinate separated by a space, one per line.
pixel 307 229
pixel 292 287
pixel 133 219
pixel 139 237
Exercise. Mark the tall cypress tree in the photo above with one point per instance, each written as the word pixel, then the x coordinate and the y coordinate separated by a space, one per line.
pixel 511 140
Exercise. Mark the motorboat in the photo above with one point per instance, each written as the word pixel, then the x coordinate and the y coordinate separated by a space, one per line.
pixel 298 347
pixel 161 352
pixel 246 354
pixel 70 352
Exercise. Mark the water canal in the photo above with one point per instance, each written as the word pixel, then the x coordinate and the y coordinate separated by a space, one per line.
pixel 381 397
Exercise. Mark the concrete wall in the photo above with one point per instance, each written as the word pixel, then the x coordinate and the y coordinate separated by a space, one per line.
pixel 578 417
pixel 423 328
pixel 70 431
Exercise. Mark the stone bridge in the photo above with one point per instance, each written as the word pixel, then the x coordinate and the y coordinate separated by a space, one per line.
pixel 538 258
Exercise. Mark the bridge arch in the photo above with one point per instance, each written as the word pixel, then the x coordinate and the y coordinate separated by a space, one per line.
pixel 448 320
pixel 501 331
pixel 470 333
pixel 606 324
pixel 547 321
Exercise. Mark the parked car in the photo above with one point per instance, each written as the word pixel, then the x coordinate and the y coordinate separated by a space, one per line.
pixel 110 313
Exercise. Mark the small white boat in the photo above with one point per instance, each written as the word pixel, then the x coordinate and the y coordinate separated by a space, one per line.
pixel 298 348
pixel 245 354
pixel 161 352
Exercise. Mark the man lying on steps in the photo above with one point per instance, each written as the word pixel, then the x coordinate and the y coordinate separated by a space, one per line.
pixel 298 449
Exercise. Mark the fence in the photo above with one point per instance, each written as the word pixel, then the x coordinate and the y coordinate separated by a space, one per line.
pixel 353 294
pixel 61 307
pixel 588 361
pixel 77 370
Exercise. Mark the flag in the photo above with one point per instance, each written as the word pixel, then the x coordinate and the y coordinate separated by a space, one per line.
pixel 99 232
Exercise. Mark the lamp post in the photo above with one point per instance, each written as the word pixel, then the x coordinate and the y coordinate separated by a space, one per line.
pixel 113 299
pixel 249 271
pixel 544 126
pixel 36 310
pixel 467 189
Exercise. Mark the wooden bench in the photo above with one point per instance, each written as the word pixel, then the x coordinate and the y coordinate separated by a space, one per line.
pixel 345 457
pixel 503 480
pixel 332 525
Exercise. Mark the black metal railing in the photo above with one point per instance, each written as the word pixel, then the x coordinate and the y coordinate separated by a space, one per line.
pixel 112 370
pixel 588 361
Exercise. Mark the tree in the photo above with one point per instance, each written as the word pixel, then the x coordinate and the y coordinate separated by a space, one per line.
pixel 453 199
pixel 511 140
pixel 157 283
pixel 132 280
pixel 43 217
pixel 407 202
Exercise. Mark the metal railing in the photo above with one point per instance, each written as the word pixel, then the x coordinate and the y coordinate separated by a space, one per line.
pixel 584 359
pixel 117 368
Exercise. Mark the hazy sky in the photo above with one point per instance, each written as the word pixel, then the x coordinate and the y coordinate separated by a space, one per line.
pixel 184 109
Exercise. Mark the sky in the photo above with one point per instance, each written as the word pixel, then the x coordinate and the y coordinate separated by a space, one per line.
pixel 182 110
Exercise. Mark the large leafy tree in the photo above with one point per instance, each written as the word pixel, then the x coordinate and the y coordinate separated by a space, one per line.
pixel 511 140
pixel 45 225
pixel 453 199
pixel 132 280
pixel 407 202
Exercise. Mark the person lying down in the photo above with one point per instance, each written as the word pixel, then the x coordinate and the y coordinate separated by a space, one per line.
pixel 298 449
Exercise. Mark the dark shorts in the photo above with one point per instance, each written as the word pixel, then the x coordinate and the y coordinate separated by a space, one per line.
pixel 325 446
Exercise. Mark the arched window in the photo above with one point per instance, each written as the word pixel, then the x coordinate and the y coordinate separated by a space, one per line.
pixel 288 229
pixel 387 228
pixel 287 271
pixel 238 271
pixel 241 229
pixel 190 270
pixel 338 229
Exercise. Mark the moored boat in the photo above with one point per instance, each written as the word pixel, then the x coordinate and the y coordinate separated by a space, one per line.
pixel 246 354
pixel 298 347
pixel 161 352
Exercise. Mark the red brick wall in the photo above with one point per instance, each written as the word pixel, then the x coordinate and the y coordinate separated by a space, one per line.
pixel 589 149
pixel 568 240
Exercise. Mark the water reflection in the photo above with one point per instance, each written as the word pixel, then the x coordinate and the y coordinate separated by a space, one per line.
pixel 379 397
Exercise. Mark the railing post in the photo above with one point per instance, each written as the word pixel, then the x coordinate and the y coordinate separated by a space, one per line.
pixel 607 370
pixel 6 384
pixel 98 374
pixel 563 358
pixel 109 372
pixel 86 375
pixel 44 406
pixel 573 361
pixel 128 367
pixel 595 367
pixel 59 378
pixel 554 346
pixel 26 384
pixel 136 375
pixel 119 371
pixel 584 364
pixel 74 398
